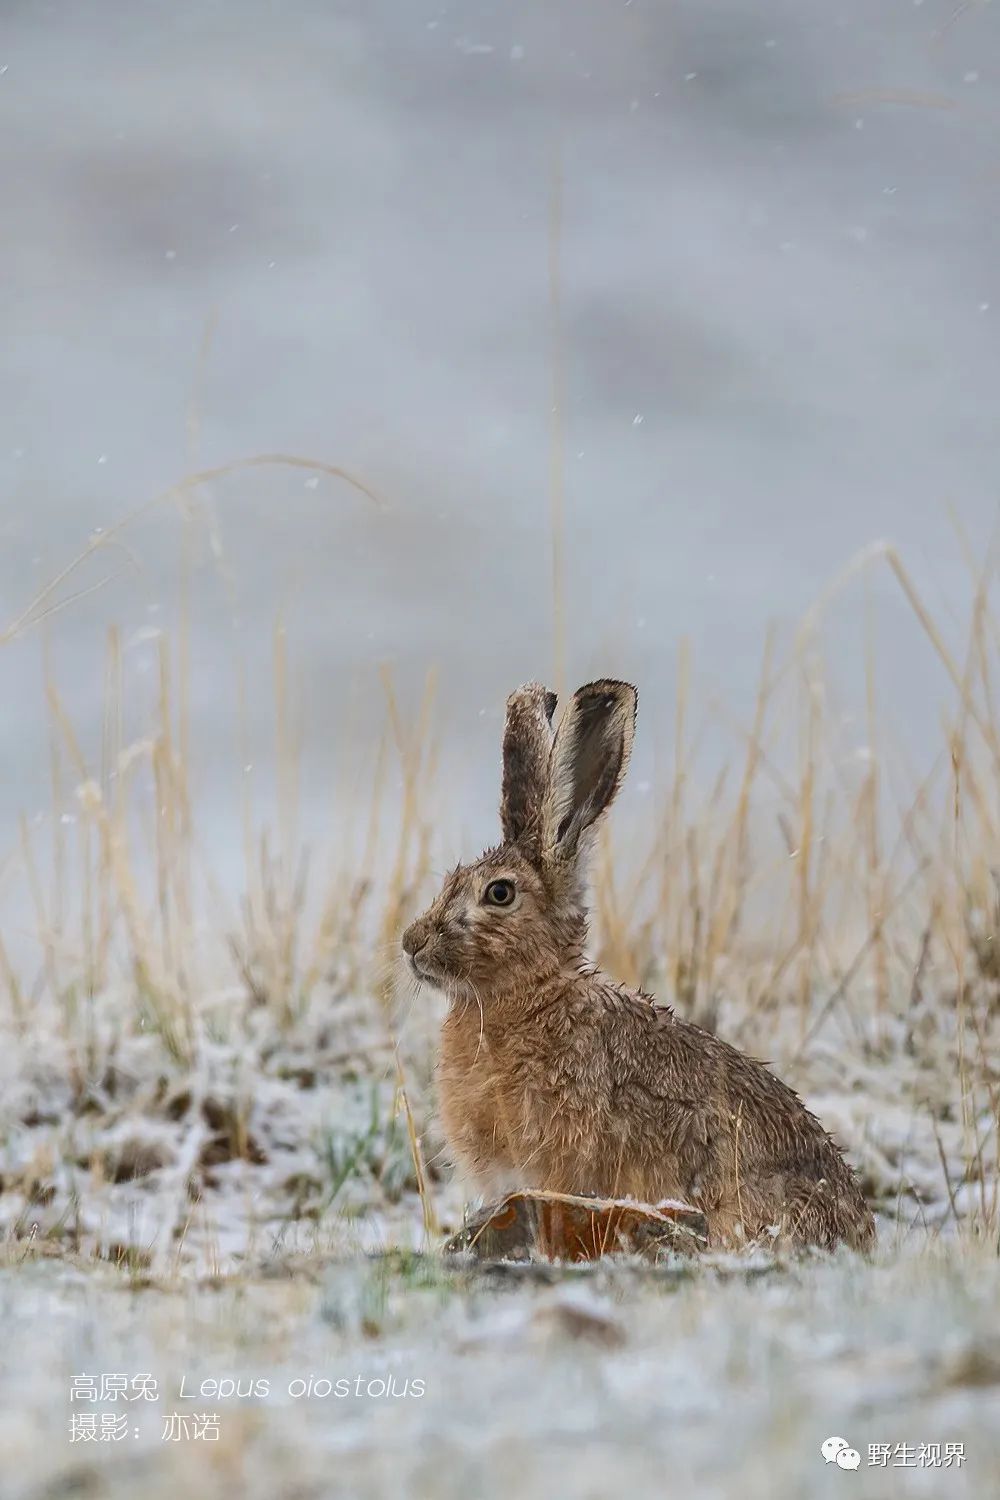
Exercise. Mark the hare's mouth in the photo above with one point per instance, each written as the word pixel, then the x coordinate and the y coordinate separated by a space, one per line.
pixel 418 971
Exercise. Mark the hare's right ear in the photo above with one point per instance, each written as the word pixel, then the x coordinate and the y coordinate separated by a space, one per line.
pixel 587 766
pixel 527 741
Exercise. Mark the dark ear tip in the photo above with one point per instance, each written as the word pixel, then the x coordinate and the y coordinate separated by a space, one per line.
pixel 608 693
pixel 550 702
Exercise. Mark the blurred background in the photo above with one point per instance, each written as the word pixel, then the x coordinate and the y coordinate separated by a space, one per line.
pixel 750 255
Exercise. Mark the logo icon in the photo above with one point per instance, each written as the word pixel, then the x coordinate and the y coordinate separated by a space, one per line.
pixel 837 1450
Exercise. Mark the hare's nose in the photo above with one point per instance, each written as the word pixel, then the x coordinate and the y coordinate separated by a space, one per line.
pixel 414 938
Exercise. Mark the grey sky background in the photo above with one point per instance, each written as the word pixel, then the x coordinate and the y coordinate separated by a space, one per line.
pixel 780 272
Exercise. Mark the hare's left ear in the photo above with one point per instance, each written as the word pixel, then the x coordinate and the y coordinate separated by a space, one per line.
pixel 527 741
pixel 588 763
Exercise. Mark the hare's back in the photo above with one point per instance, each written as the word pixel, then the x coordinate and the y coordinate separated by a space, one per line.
pixel 777 1134
pixel 724 1128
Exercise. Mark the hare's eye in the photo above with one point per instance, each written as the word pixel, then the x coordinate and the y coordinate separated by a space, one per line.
pixel 499 893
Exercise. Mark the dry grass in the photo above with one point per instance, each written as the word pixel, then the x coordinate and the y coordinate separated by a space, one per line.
pixel 821 903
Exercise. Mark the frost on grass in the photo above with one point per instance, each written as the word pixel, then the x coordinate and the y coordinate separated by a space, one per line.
pixel 831 912
pixel 277 1141
pixel 290 1140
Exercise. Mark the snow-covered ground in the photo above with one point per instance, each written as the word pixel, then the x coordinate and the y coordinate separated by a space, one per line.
pixel 397 1376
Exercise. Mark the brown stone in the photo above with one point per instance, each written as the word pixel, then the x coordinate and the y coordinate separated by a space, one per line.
pixel 558 1226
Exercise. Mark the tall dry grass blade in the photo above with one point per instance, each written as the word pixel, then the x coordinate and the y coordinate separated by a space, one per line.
pixel 43 603
pixel 557 462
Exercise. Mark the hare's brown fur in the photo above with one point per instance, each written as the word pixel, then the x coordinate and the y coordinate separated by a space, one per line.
pixel 553 1076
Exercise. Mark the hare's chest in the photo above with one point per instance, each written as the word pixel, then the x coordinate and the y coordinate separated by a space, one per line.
pixel 480 1112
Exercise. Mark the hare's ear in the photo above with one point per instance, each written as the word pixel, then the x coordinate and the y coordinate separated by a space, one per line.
pixel 527 741
pixel 588 762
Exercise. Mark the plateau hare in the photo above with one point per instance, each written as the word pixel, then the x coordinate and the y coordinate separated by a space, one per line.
pixel 553 1076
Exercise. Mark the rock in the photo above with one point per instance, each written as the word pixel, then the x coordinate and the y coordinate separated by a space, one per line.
pixel 559 1226
pixel 574 1314
pixel 567 1315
